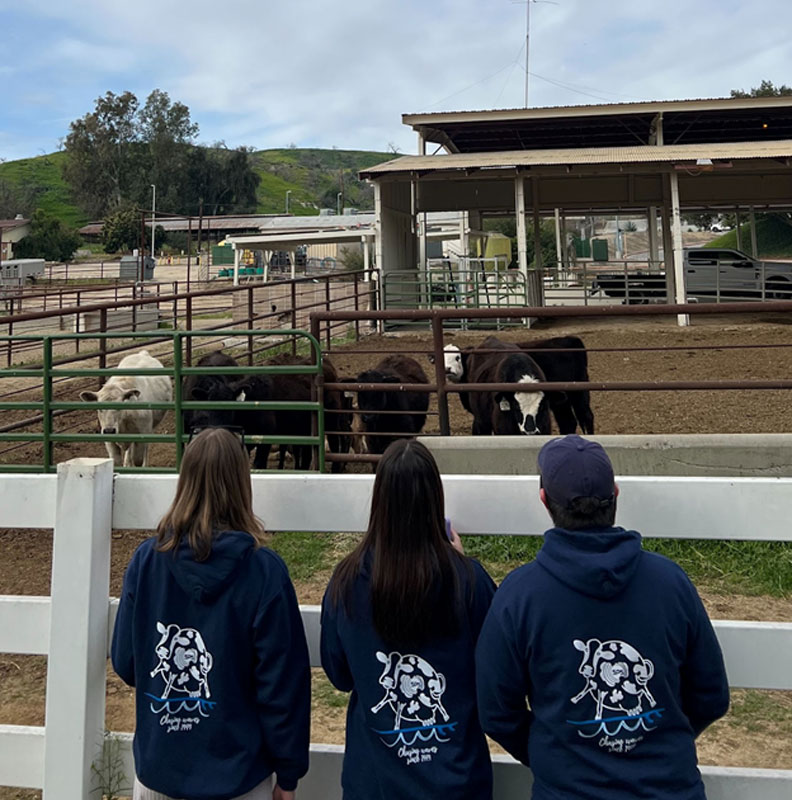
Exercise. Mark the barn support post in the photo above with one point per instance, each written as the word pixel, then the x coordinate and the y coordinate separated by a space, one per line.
pixel 754 243
pixel 654 253
pixel 668 246
pixel 559 253
pixel 379 259
pixel 440 378
pixel 676 234
pixel 537 232
pixel 738 227
pixel 76 673
pixel 236 264
pixel 522 236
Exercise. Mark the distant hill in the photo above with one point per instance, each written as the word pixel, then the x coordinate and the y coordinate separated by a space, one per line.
pixel 313 176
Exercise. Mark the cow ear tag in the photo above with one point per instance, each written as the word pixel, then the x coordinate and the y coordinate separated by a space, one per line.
pixel 504 405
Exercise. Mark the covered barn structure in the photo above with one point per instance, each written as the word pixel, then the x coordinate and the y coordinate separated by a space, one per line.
pixel 659 159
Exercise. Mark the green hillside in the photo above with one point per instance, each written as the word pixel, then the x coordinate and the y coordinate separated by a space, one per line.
pixel 773 238
pixel 43 175
pixel 314 177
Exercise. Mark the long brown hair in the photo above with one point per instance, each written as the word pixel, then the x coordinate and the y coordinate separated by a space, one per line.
pixel 213 494
pixel 415 573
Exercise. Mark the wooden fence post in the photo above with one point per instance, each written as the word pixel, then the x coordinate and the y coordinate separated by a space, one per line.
pixel 76 673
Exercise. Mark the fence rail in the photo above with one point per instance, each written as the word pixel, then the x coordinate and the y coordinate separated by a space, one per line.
pixel 181 343
pixel 83 504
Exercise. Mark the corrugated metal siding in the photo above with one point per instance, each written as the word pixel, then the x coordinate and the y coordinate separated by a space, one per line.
pixel 585 156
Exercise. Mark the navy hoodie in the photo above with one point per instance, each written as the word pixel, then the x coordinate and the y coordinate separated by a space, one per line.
pixel 615 653
pixel 216 651
pixel 412 730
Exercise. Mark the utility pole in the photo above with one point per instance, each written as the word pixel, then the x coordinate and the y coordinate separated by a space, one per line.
pixel 527 45
pixel 153 216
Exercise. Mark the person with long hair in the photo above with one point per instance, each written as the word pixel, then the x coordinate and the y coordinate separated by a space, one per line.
pixel 209 634
pixel 400 620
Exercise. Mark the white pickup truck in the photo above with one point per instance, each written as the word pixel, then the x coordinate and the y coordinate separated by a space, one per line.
pixel 710 274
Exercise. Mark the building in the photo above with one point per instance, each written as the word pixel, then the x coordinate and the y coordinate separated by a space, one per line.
pixel 12 231
pixel 656 159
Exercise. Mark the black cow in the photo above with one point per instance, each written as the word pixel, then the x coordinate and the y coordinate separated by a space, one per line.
pixel 230 388
pixel 569 409
pixel 392 369
pixel 298 423
pixel 505 413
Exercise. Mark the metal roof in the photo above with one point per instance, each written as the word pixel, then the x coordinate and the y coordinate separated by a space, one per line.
pixel 609 125
pixel 11 224
pixel 686 154
pixel 597 109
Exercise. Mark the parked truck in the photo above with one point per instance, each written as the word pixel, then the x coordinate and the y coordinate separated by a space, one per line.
pixel 711 274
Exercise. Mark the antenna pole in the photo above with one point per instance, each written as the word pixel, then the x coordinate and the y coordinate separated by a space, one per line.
pixel 527 45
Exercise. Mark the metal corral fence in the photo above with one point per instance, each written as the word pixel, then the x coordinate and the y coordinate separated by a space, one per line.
pixel 472 287
pixel 439 387
pixel 40 428
pixel 147 307
pixel 72 626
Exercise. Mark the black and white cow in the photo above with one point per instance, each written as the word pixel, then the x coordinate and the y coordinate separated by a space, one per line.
pixel 505 413
pixel 413 690
pixel 616 676
pixel 570 409
pixel 371 404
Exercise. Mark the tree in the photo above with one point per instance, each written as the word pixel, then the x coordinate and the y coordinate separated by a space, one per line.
pixel 119 150
pixel 48 239
pixel 121 232
pixel 765 89
pixel 102 158
pixel 16 200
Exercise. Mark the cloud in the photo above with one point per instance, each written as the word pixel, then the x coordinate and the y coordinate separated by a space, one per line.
pixel 318 74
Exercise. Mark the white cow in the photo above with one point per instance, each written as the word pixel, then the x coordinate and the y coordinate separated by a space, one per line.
pixel 132 389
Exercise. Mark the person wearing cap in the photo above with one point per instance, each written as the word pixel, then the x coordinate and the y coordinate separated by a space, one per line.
pixel 609 643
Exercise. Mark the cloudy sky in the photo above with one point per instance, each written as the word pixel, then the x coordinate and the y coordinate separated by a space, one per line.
pixel 321 74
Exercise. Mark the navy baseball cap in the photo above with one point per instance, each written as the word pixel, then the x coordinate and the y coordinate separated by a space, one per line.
pixel 572 467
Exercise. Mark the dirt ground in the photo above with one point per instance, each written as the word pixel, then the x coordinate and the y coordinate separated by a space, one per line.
pixel 25 555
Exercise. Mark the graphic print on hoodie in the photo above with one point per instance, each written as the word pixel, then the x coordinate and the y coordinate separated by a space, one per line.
pixel 184 665
pixel 617 678
pixel 413 692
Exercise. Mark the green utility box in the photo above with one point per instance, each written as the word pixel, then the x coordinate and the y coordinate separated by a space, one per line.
pixel 222 254
pixel 599 249
pixel 582 248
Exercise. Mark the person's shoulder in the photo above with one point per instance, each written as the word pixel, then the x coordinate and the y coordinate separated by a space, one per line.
pixel 518 582
pixel 663 568
pixel 269 562
pixel 145 550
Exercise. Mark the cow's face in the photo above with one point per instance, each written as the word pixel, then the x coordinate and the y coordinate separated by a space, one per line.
pixel 519 413
pixel 217 390
pixel 110 419
pixel 387 679
pixel 454 366
pixel 370 403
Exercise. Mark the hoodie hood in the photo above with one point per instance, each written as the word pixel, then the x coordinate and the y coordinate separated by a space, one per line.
pixel 205 580
pixel 599 563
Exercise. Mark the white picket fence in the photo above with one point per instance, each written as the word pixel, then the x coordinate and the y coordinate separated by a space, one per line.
pixel 84 502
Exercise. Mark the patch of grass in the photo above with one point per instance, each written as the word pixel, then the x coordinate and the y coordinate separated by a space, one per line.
pixel 305 554
pixel 750 568
pixel 323 693
pixel 754 711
